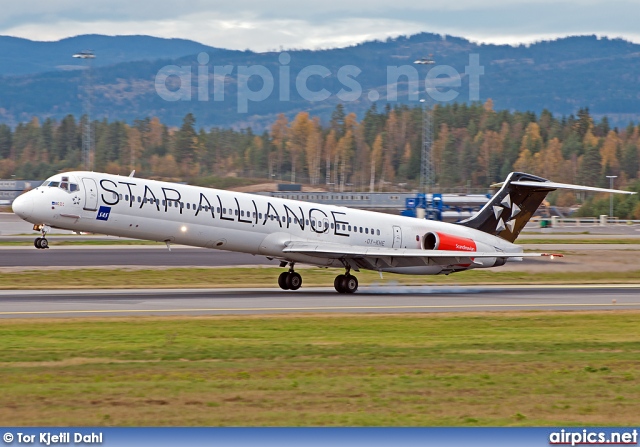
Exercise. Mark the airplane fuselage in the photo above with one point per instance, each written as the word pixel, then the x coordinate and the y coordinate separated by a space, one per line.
pixel 217 219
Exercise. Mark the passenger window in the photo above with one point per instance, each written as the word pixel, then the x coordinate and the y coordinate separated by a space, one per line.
pixel 224 211
pixel 326 225
pixel 307 222
pixel 332 226
pixel 188 206
pixel 349 227
pixel 378 232
pixel 236 212
pixel 181 205
pixel 120 196
pixel 259 215
pixel 366 230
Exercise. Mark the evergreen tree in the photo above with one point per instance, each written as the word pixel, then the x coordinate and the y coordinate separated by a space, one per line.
pixel 590 170
pixel 6 142
pixel 186 141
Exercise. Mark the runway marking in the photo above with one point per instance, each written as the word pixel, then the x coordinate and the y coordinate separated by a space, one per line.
pixel 266 309
pixel 407 289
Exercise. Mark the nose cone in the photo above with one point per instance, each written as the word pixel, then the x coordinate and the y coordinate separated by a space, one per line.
pixel 23 206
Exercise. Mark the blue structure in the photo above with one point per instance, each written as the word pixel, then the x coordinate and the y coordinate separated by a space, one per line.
pixel 431 204
pixel 449 207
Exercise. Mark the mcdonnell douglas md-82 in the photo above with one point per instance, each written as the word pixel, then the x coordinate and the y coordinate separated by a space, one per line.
pixel 290 231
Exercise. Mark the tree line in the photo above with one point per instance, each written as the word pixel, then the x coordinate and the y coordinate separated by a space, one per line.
pixel 473 146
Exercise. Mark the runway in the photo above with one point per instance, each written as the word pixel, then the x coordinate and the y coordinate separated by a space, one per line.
pixel 107 256
pixel 374 299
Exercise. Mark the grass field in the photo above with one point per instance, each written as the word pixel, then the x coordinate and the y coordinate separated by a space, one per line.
pixel 491 369
pixel 267 277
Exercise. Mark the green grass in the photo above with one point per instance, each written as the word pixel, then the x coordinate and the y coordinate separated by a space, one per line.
pixel 267 277
pixel 88 242
pixel 494 369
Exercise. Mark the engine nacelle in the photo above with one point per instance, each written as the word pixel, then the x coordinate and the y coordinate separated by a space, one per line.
pixel 443 241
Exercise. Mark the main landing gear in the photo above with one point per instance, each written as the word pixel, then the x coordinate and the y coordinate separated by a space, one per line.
pixel 290 280
pixel 346 283
pixel 42 242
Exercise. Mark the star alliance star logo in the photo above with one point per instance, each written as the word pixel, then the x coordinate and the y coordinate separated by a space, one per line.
pixel 76 200
pixel 509 206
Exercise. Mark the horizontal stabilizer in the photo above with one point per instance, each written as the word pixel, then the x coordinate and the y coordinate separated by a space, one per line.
pixel 553 185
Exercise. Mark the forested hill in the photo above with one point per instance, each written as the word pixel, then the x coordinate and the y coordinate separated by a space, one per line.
pixel 22 56
pixel 562 76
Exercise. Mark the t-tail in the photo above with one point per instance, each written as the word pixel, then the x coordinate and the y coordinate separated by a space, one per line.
pixel 520 195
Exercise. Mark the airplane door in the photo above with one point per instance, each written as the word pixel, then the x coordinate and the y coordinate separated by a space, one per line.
pixel 397 237
pixel 90 194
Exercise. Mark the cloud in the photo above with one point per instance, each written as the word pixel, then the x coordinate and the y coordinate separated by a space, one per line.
pixel 268 25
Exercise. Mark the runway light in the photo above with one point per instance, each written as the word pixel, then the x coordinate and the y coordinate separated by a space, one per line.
pixel 184 229
pixel 552 257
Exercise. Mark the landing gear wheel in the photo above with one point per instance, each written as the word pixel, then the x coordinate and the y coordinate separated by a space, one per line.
pixel 36 243
pixel 294 281
pixel 44 243
pixel 349 284
pixel 337 283
pixel 282 280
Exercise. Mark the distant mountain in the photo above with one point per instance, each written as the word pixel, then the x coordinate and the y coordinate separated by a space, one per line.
pixel 561 75
pixel 23 56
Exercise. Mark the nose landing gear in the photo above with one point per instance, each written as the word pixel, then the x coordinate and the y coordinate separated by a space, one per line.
pixel 42 242
pixel 290 280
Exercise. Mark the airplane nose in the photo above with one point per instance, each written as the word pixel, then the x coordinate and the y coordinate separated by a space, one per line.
pixel 23 206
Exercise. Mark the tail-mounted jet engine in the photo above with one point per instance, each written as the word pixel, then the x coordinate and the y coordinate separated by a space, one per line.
pixel 443 241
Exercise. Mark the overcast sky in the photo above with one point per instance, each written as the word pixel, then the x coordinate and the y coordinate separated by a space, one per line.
pixel 265 25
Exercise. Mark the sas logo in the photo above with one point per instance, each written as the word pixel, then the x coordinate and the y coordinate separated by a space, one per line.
pixel 103 213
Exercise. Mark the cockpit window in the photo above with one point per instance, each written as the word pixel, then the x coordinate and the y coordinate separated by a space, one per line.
pixel 64 184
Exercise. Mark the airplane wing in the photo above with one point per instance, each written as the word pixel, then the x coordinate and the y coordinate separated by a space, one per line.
pixel 376 257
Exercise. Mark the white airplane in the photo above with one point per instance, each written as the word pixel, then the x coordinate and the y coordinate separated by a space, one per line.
pixel 289 230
